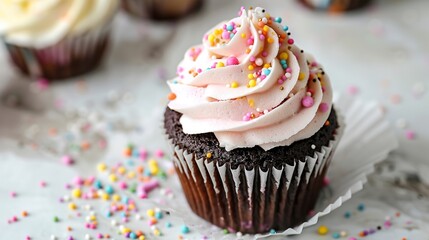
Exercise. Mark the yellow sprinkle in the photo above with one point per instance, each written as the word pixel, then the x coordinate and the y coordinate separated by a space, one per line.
pixel 116 198
pixel 105 196
pixel 122 170
pixel 250 67
pixel 92 218
pixel 72 206
pixel 101 167
pixel 301 76
pixel 323 230
pixel 125 230
pixel 283 56
pixel 266 28
pixel 251 102
pixel 77 193
pixel 252 83
pixel 243 35
pixel 113 178
pixel 153 167
pixel 234 85
pixel 209 155
pixel 250 76
pixel 150 213
pixel 141 237
pixel 220 64
pixel 131 174
pixel 267 65
pixel 211 38
pixel 270 40
pixel 217 31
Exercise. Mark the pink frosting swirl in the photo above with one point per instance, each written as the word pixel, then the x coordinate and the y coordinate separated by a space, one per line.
pixel 250 85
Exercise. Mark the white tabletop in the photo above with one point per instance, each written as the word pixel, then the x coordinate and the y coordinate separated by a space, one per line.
pixel 380 53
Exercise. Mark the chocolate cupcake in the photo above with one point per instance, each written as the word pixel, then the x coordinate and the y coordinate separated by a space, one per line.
pixel 160 9
pixel 335 5
pixel 56 39
pixel 251 125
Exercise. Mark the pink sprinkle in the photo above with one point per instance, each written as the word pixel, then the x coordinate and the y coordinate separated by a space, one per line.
pixel 262 37
pixel 27 238
pixel 67 160
pixel 159 153
pixel 352 90
pixel 143 154
pixel 352 238
pixel 290 41
pixel 42 83
pixel 326 181
pixel 289 70
pixel 13 194
pixel 149 186
pixel 42 184
pixel 323 107
pixel 250 41
pixel 410 135
pixel 15 219
pixel 246 118
pixel 123 185
pixel 100 236
pixel 280 81
pixel 225 35
pixel 263 77
pixel 102 144
pixel 78 181
pixel 252 58
pixel 307 101
pixel 264 54
pixel 232 61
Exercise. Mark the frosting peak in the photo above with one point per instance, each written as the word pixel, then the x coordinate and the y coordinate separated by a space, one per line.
pixel 251 85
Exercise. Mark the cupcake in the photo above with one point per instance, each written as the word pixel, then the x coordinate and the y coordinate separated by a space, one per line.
pixel 335 5
pixel 160 9
pixel 251 125
pixel 56 39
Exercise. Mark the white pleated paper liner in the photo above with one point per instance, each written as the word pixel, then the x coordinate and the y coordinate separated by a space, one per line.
pixel 367 139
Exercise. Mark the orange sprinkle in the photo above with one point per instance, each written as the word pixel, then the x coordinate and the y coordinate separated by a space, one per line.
pixel 24 213
pixel 85 145
pixel 127 152
pixel 327 123
pixel 171 96
pixel 261 24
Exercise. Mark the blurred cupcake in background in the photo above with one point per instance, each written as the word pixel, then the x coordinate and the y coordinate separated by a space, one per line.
pixel 160 9
pixel 56 39
pixel 335 5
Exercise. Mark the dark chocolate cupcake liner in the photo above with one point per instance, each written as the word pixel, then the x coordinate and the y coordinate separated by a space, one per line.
pixel 253 200
pixel 336 5
pixel 72 56
pixel 150 9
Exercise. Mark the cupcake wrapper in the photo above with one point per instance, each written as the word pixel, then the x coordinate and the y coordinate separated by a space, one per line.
pixel 253 200
pixel 153 10
pixel 71 56
pixel 336 5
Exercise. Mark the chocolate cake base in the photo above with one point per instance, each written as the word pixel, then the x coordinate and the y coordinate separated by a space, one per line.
pixel 201 144
pixel 251 190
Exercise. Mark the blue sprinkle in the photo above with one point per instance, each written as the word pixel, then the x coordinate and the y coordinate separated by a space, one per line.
pixel 168 225
pixel 278 19
pixel 108 214
pixel 336 235
pixel 184 229
pixel 124 214
pixel 109 190
pixel 266 71
pixel 158 215
pixel 133 235
pixel 147 172
pixel 125 199
pixel 136 152
pixel 130 162
pixel 283 61
pixel 272 231
pixel 361 207
pixel 347 214
pixel 285 28
pixel 229 27
pixel 98 185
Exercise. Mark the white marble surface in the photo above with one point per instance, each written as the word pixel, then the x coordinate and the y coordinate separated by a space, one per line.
pixel 382 51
